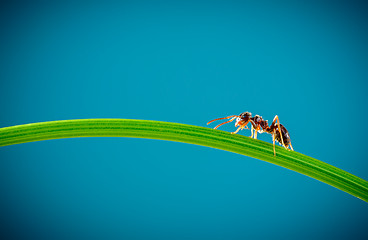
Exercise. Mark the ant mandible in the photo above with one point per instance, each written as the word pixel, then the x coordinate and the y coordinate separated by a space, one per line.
pixel 278 131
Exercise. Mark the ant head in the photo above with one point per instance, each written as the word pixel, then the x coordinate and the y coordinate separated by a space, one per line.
pixel 243 118
pixel 245 115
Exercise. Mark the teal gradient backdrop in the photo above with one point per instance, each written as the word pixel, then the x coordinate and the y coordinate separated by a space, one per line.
pixel 186 62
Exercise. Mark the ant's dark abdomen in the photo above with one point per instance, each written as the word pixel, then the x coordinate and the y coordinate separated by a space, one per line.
pixel 285 136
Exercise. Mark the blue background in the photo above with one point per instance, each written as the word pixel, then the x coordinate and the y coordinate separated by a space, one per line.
pixel 186 62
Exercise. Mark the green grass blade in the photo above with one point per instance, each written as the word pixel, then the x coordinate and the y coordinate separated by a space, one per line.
pixel 188 134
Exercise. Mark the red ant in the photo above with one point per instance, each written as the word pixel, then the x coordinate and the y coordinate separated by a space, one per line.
pixel 277 130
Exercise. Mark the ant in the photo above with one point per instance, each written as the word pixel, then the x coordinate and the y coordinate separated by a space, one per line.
pixel 277 130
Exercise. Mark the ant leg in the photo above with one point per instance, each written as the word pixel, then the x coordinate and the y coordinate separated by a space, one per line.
pixel 273 139
pixel 291 147
pixel 241 128
pixel 225 122
pixel 222 118
pixel 256 129
pixel 255 133
pixel 253 129
pixel 237 130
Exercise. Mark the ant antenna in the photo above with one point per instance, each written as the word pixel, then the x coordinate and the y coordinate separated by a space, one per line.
pixel 232 119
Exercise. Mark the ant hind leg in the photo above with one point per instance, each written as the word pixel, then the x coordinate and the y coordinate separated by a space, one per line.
pixel 291 147
pixel 276 118
pixel 273 139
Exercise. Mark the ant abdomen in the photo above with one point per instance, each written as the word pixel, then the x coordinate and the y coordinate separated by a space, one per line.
pixel 285 136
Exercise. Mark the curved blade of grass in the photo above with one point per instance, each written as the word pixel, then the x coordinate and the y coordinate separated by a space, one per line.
pixel 188 134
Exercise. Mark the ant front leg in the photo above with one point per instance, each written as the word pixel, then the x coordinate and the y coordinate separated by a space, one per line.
pixel 244 126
